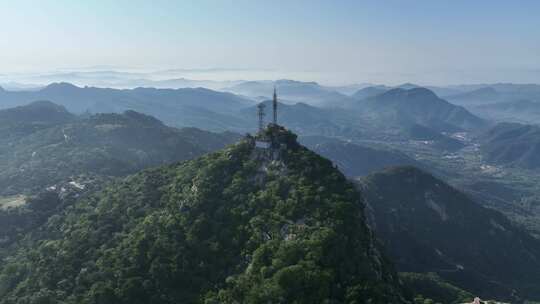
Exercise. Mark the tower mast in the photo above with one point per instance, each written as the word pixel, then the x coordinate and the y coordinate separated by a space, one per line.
pixel 274 105
pixel 260 113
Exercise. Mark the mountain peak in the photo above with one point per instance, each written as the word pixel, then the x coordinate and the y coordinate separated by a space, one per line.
pixel 417 92
pixel 45 104
pixel 60 86
pixel 278 137
pixel 408 86
pixel 369 92
pixel 41 111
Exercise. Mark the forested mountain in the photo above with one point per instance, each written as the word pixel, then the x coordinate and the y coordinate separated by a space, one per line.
pixel 47 144
pixel 242 225
pixel 419 106
pixel 427 226
pixel 37 112
pixel 512 144
pixel 23 120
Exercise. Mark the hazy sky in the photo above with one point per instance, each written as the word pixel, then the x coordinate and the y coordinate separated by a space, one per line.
pixel 431 41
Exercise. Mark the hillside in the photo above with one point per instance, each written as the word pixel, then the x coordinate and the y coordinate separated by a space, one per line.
pixel 241 225
pixel 419 106
pixel 356 160
pixel 103 144
pixel 512 144
pixel 427 226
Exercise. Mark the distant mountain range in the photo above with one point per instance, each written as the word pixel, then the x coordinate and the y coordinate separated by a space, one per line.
pixel 396 114
pixel 478 96
pixel 495 93
pixel 295 91
pixel 427 226
pixel 108 77
pixel 306 119
pixel 182 107
pixel 521 111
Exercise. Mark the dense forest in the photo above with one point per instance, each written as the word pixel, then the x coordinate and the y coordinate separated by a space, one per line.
pixel 236 226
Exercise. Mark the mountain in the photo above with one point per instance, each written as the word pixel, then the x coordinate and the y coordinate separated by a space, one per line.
pixel 512 144
pixel 428 226
pixel 305 119
pixel 103 144
pixel 356 160
pixel 347 89
pixel 241 225
pixel 521 111
pixel 420 106
pixel 495 93
pixel 197 107
pixel 39 112
pixel 478 96
pixel 295 91
pixel 387 117
pixel 370 92
pixel 23 120
pixel 408 86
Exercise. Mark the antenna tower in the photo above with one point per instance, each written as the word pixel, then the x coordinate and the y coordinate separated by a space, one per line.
pixel 274 105
pixel 261 114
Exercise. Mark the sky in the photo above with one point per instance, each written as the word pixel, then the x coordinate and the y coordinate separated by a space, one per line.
pixel 333 42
